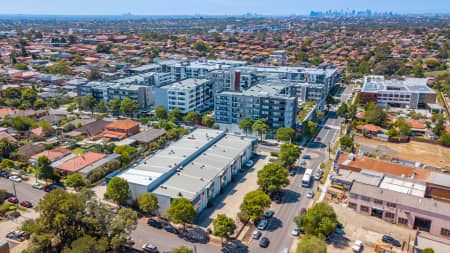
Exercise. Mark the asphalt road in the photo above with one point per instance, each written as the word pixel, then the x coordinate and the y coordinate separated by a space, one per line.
pixel 294 198
pixel 24 190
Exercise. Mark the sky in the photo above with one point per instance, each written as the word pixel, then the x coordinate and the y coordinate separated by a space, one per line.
pixel 215 7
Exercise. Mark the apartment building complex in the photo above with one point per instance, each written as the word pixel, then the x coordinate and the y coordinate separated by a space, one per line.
pixel 266 100
pixel 188 95
pixel 410 93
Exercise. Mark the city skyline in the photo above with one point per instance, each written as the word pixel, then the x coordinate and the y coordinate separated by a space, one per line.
pixel 216 7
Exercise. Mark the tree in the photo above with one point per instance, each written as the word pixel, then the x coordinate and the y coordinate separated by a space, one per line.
pixel 22 123
pixel 39 104
pixel 118 190
pixel 254 204
pixel 181 211
pixel 320 115
pixel 208 121
pixel 94 74
pixel 289 153
pixel 405 127
pixel 128 106
pixel 439 128
pixel 285 134
pixel 260 127
pixel 7 164
pixel 428 250
pixel 182 249
pixel 200 46
pixel 444 139
pixel 29 95
pixel 6 147
pixel 192 117
pixel 392 132
pixel 223 226
pixel 114 106
pixel 44 170
pixel 88 102
pixel 75 180
pixel 148 203
pixel 346 141
pixel 311 244
pixel 342 110
pixel 101 107
pixel 161 112
pixel 88 244
pixel 310 129
pixel 319 220
pixel 375 115
pixel 272 177
pixel 246 124
pixel 418 71
pixel 103 48
pixel 175 115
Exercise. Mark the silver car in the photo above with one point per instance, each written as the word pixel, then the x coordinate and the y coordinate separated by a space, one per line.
pixel 16 179
pixel 37 186
pixel 263 224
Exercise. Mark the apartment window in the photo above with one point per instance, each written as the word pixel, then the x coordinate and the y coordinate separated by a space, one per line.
pixel 389 215
pixel 445 231
pixel 353 196
pixel 365 198
pixel 402 221
pixel 352 205
pixel 377 201
pixel 389 204
pixel 364 209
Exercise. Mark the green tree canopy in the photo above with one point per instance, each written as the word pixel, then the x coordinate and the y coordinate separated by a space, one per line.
pixel 118 190
pixel 128 106
pixel 88 102
pixel 44 170
pixel 192 117
pixel 319 220
pixel 161 112
pixel 88 244
pixel 342 110
pixel 289 153
pixel 310 129
pixel 254 204
pixel 272 177
pixel 223 226
pixel 285 134
pixel 208 121
pixel 375 115
pixel 261 127
pixel 181 211
pixel 182 249
pixel 346 141
pixel 246 124
pixel 6 147
pixel 311 244
pixel 148 203
pixel 114 106
pixel 75 180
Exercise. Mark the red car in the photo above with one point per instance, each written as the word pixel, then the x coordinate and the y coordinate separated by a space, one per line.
pixel 318 139
pixel 13 200
pixel 26 204
pixel 48 188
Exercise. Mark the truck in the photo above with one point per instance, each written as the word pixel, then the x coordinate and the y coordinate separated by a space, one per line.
pixel 306 180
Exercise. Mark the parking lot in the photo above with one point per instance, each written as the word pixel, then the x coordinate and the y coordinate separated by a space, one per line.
pixel 229 201
pixel 365 228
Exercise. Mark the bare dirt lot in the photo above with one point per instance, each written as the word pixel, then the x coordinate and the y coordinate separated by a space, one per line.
pixel 430 154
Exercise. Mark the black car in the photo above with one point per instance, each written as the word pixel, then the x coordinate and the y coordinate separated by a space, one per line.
pixel 264 242
pixel 171 229
pixel 391 240
pixel 154 223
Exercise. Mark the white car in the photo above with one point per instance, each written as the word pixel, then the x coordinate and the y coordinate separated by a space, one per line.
pixel 16 179
pixel 37 186
pixel 256 234
pixel 295 231
pixel 310 194
pixel 150 248
pixel 357 246
pixel 302 162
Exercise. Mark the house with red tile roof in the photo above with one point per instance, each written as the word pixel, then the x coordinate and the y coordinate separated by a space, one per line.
pixel 121 129
pixel 79 162
pixel 52 155
pixel 369 128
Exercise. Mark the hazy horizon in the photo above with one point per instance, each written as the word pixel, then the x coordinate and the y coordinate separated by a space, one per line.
pixel 216 7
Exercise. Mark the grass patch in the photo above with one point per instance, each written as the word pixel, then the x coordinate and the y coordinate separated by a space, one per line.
pixel 437 72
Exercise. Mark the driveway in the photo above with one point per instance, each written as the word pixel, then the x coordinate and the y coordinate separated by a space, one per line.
pixel 228 202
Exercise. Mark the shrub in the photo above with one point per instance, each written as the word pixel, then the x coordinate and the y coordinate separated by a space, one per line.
pixel 273 153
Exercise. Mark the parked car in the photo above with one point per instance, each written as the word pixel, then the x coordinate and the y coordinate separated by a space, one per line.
pixel 310 194
pixel 154 223
pixel 269 213
pixel 256 234
pixel 391 240
pixel 306 157
pixel 292 173
pixel 26 204
pixel 18 235
pixel 48 188
pixel 318 175
pixel 16 179
pixel 249 163
pixel 285 250
pixel 303 211
pixel 171 229
pixel 295 231
pixel 37 186
pixel 150 248
pixel 271 160
pixel 5 174
pixel 13 200
pixel 357 246
pixel 264 242
pixel 302 162
pixel 263 224
pixel 318 139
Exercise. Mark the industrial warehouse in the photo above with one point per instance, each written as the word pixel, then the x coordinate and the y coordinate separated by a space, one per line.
pixel 195 167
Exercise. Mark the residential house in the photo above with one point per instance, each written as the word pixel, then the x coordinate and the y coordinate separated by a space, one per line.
pixel 121 129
